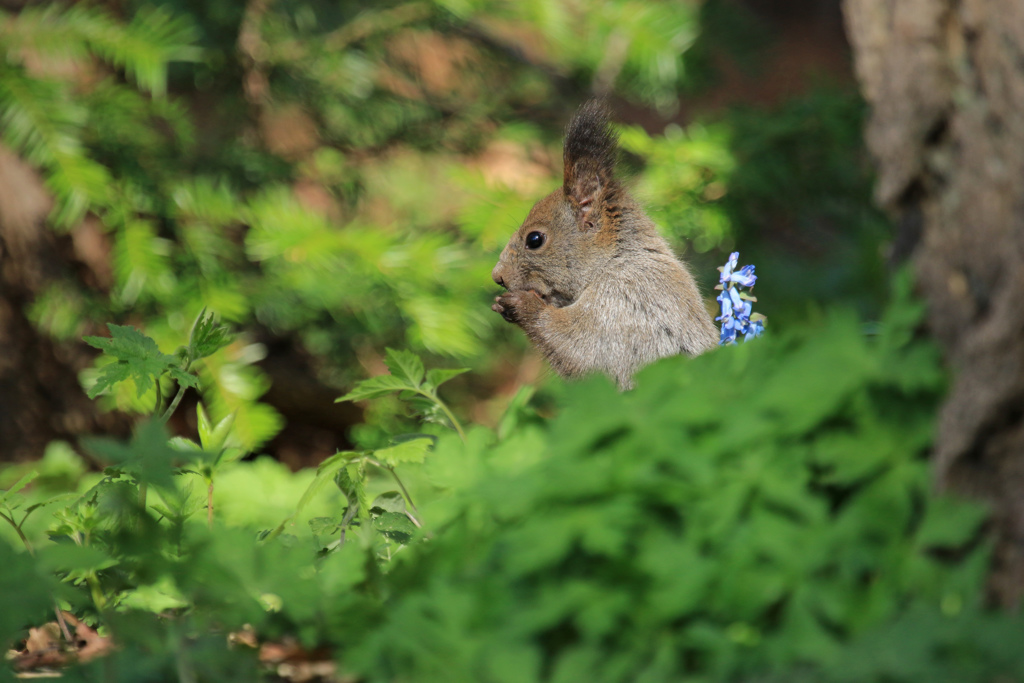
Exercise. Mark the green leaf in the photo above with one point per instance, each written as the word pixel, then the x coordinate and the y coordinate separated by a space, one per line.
pixel 375 387
pixel 182 443
pixel 24 481
pixel 149 457
pixel 324 475
pixel 207 336
pixel 203 425
pixel 137 356
pixel 405 365
pixel 213 437
pixel 71 557
pixel 395 525
pixel 951 523
pixel 351 480
pixel 324 525
pixel 50 501
pixel 437 377
pixel 26 593
pixel 156 598
pixel 184 378
pixel 390 501
pixel 414 450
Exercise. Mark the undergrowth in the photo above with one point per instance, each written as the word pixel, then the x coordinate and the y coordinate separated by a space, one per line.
pixel 761 512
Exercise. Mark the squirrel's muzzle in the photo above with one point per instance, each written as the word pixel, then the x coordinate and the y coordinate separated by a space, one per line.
pixel 496 275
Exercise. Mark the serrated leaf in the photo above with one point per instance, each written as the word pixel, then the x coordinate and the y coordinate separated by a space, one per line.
pixel 138 359
pixel 407 451
pixel 207 336
pixel 184 378
pixel 50 501
pixel 113 373
pixel 350 480
pixel 437 377
pixel 404 365
pixel 390 501
pixel 375 387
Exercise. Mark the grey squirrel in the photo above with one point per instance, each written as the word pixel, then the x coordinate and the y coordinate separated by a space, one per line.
pixel 589 279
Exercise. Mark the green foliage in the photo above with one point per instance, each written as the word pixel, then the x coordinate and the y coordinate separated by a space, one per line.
pixel 685 175
pixel 359 199
pixel 136 358
pixel 799 201
pixel 753 510
pixel 761 512
pixel 41 119
pixel 415 385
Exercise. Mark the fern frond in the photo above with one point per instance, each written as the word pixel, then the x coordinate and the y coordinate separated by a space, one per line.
pixel 142 48
pixel 153 39
pixel 40 119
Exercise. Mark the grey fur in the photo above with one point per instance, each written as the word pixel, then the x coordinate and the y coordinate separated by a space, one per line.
pixel 604 293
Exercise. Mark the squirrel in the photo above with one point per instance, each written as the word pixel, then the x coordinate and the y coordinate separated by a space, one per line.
pixel 588 277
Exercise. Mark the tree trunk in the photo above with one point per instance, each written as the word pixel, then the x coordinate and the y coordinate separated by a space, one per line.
pixel 945 81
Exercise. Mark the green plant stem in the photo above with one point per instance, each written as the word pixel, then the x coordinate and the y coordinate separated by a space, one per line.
pixel 209 505
pixel 181 388
pixel 143 491
pixel 95 591
pixel 350 513
pixel 448 413
pixel 174 404
pixel 21 534
pixel 394 475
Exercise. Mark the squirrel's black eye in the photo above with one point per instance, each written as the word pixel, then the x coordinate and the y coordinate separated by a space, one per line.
pixel 534 240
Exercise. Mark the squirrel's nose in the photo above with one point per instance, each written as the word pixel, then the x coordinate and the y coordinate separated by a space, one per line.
pixel 496 276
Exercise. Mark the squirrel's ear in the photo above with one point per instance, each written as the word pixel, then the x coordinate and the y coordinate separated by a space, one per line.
pixel 589 157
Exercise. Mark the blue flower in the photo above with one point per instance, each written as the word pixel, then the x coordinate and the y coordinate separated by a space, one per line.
pixel 735 305
pixel 728 336
pixel 726 302
pixel 745 277
pixel 754 329
pixel 729 266
pixel 740 307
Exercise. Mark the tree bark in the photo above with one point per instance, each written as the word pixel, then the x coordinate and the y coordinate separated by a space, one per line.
pixel 945 82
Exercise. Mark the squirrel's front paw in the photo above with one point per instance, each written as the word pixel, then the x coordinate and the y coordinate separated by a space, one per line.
pixel 518 306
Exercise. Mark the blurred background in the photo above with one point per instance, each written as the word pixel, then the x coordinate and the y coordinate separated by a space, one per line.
pixel 336 177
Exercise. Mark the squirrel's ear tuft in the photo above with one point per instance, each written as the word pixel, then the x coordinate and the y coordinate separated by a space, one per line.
pixel 589 156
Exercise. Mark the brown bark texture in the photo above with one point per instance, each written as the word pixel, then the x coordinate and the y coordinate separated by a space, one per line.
pixel 945 83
